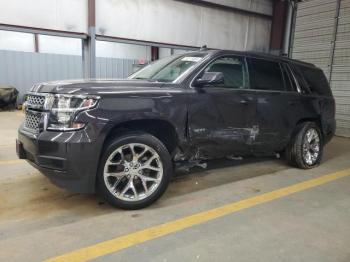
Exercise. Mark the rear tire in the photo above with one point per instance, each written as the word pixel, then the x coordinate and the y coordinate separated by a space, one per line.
pixel 134 171
pixel 306 146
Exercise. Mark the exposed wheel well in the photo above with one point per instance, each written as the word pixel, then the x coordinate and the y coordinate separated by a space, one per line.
pixel 317 121
pixel 161 129
pixel 297 126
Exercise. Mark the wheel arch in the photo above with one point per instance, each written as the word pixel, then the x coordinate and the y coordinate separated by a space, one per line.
pixel 316 120
pixel 161 129
pixel 297 127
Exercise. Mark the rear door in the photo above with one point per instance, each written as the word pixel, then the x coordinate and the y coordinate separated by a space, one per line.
pixel 277 99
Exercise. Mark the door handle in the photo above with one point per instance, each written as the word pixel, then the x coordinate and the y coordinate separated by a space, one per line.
pixel 244 102
pixel 293 103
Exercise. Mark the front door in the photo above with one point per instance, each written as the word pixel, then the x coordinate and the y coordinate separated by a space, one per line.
pixel 222 116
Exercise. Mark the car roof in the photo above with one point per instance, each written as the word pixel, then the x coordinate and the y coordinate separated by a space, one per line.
pixel 255 54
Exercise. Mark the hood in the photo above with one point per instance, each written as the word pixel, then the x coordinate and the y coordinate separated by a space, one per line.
pixel 98 87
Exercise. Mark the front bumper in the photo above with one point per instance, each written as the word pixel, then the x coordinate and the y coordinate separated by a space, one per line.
pixel 68 159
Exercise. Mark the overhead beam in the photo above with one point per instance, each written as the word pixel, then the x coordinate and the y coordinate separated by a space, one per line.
pixel 141 42
pixel 226 8
pixel 42 31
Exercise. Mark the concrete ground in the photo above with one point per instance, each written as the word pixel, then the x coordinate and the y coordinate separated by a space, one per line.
pixel 40 221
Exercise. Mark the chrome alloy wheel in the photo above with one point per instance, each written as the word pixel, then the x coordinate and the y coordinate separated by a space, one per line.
pixel 311 146
pixel 133 172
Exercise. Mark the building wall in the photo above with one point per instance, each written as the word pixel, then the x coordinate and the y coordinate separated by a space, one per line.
pixel 65 15
pixel 164 21
pixel 259 6
pixel 179 23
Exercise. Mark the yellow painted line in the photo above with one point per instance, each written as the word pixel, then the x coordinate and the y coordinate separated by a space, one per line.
pixel 119 243
pixel 8 145
pixel 10 162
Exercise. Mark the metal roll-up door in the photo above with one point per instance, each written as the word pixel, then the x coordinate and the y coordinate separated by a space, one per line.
pixel 322 37
pixel 314 32
pixel 340 74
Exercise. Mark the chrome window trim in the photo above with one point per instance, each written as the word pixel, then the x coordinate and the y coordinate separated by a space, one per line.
pixel 294 78
pixel 249 82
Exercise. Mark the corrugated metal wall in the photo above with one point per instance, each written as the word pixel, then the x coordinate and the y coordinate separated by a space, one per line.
pixel 340 76
pixel 314 32
pixel 107 67
pixel 322 37
pixel 23 69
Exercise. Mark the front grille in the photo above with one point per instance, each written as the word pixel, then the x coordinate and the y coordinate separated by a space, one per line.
pixel 36 100
pixel 32 121
pixel 35 105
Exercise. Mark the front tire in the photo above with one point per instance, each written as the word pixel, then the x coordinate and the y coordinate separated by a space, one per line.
pixel 134 171
pixel 306 146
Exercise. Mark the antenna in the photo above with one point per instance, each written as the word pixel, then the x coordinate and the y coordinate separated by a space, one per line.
pixel 203 48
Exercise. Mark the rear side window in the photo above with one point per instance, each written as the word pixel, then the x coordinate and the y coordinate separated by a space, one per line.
pixel 316 81
pixel 265 75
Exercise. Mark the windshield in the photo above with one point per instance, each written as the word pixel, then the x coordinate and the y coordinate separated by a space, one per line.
pixel 170 68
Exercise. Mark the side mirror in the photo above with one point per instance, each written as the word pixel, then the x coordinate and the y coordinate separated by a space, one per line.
pixel 210 78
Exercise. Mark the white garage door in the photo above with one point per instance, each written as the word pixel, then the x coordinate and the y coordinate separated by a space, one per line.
pixel 322 37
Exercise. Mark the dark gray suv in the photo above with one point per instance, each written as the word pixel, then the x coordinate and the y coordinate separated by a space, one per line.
pixel 122 137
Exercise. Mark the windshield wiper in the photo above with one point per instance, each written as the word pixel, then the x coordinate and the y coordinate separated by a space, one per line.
pixel 148 79
pixel 162 80
pixel 141 78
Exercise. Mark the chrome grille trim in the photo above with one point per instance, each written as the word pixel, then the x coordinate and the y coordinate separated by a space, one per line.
pixel 32 121
pixel 36 100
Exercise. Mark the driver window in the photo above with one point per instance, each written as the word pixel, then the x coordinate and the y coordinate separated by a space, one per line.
pixel 234 71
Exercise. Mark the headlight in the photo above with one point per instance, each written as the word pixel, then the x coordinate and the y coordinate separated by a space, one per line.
pixel 64 108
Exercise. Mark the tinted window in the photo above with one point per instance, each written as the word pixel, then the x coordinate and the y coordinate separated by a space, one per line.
pixel 265 75
pixel 316 81
pixel 233 69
